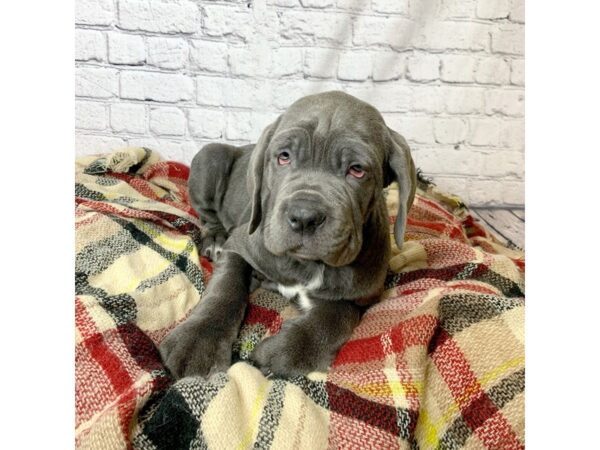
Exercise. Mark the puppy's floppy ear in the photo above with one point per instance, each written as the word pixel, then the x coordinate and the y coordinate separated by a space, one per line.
pixel 254 178
pixel 401 169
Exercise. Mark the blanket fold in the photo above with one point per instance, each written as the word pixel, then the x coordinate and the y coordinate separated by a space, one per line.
pixel 437 363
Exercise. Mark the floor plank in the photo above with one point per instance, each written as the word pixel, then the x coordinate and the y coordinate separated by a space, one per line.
pixel 520 213
pixel 504 223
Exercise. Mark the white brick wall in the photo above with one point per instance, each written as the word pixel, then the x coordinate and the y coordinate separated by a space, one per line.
pixel 174 75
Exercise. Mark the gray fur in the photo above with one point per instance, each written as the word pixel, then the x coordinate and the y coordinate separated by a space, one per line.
pixel 307 223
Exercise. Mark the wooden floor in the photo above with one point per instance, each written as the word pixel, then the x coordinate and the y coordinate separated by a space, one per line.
pixel 507 224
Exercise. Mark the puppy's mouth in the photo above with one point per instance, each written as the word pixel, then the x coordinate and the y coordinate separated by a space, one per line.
pixel 311 251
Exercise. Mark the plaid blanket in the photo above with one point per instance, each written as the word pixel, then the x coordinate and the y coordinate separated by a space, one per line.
pixel 437 363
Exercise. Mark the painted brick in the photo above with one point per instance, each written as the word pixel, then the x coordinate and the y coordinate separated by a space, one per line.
pixel 250 62
pixel 429 99
pixel 423 68
pixel 457 68
pixel 463 100
pixel 321 62
pixel 167 53
pixel 517 11
pixel 160 87
pixel 441 36
pixel 503 164
pixel 512 193
pixel 493 9
pixel 383 97
pixel 509 39
pixel 167 121
pixel 206 123
pixel 126 49
pixel 229 92
pixel 507 102
pixel 388 66
pixel 90 45
pixel 169 148
pixel 209 56
pixel 390 6
pixel 414 129
pixel 353 4
pixel 240 127
pixel 479 191
pixel 179 16
pixel 227 21
pixel 94 12
pixel 287 3
pixel 517 72
pixel 315 27
pixel 90 116
pixel 287 92
pixel 513 134
pixel 449 130
pixel 128 118
pixel 485 132
pixel 286 61
pixel 87 144
pixel 457 9
pixel 452 185
pixel 317 3
pixel 437 160
pixel 391 31
pixel 492 71
pixel 354 66
pixel 96 82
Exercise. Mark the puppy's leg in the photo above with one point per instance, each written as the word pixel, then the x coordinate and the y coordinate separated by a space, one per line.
pixel 209 179
pixel 309 342
pixel 202 344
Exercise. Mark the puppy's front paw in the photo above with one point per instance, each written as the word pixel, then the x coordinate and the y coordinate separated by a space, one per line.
pixel 196 348
pixel 212 245
pixel 293 351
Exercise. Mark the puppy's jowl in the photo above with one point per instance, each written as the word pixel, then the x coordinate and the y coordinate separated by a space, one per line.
pixel 304 209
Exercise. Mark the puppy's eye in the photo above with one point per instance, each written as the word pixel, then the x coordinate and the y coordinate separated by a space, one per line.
pixel 356 171
pixel 283 158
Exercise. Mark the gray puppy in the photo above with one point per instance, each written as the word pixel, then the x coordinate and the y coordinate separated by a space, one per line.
pixel 304 210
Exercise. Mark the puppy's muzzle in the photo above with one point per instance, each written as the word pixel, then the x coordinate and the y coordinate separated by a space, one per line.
pixel 305 216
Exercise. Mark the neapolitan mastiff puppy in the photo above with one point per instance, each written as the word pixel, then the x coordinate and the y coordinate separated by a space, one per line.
pixel 304 209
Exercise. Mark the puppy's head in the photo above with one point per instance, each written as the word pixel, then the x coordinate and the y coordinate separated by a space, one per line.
pixel 317 173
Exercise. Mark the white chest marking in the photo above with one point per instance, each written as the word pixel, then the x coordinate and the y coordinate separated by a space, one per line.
pixel 302 290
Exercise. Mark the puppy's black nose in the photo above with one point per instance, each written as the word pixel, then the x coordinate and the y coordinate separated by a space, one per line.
pixel 303 218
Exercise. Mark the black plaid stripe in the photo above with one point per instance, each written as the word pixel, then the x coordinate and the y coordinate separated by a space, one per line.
pixel 270 416
pixel 500 394
pixel 173 419
pixel 81 191
pixel 121 307
pixel 136 167
pixel 179 260
pixel 166 274
pixel 98 256
pixel 508 287
pixel 507 389
pixel 456 435
pixel 460 311
pixel 315 390
pixel 170 426
pixel 406 420
pixel 468 271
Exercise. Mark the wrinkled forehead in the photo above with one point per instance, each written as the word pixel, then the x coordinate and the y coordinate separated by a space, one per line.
pixel 329 121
